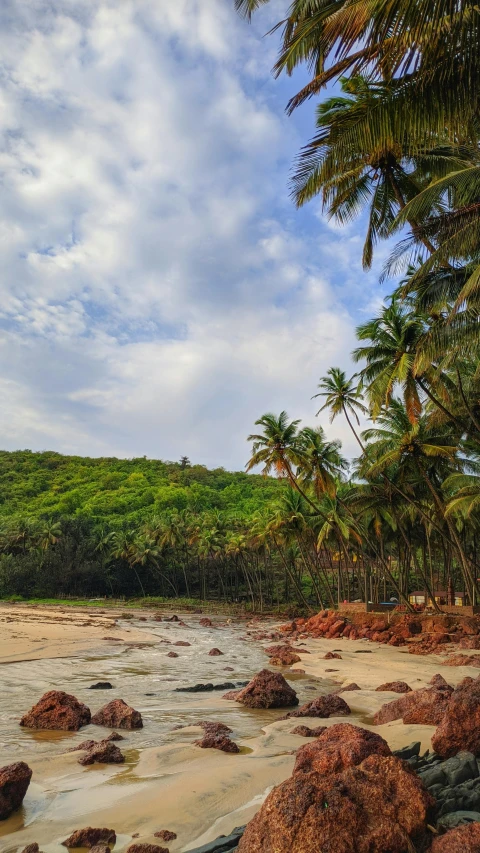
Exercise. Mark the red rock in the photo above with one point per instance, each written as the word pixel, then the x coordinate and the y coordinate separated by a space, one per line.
pixel 306 731
pixel 214 728
pixel 462 660
pixel 339 747
pixel 206 623
pixel 31 848
pixel 394 687
pixel 215 653
pixel 347 688
pixel 172 655
pixel 14 782
pixel 172 618
pixel 217 741
pixel 182 643
pixel 165 835
pixel 460 726
pixel 85 744
pixel 89 836
pixel 463 839
pixel 373 808
pixel 104 752
pixel 331 656
pixel 439 681
pixel 57 711
pixel 232 695
pixel 118 715
pixel 470 643
pixel 426 706
pixel 146 848
pixel 323 706
pixel 282 655
pixel 266 690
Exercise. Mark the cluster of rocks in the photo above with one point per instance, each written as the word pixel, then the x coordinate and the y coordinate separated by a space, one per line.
pixel 207 688
pixel 61 711
pixel 424 634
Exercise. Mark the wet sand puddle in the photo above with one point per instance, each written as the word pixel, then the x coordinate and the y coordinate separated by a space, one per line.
pixel 160 762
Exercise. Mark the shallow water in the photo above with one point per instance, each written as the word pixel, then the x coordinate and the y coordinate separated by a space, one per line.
pixel 134 672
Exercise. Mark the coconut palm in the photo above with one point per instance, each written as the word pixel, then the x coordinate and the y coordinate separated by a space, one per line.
pixel 341 397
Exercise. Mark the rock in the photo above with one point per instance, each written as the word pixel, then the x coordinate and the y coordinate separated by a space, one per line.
pixel 373 808
pixel 469 643
pixel 57 710
pixel 324 706
pixel 426 706
pixel 331 656
pixel 394 687
pixel 284 657
pixel 228 669
pixel 408 751
pixel 306 731
pixel 89 837
pixel 222 844
pixel 267 690
pixel 217 741
pixel 146 848
pixel 101 685
pixel 104 752
pixel 182 643
pixel 101 848
pixel 339 747
pixel 118 715
pixel 464 839
pixel 439 682
pixel 232 695
pixel 347 688
pixel 214 728
pixel 14 782
pixel 172 655
pixel 206 623
pixel 172 618
pixel 165 835
pixel 85 744
pixel 462 660
pixel 214 653
pixel 31 848
pixel 206 688
pixel 460 727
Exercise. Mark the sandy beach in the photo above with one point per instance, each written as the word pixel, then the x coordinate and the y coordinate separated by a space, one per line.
pixel 166 781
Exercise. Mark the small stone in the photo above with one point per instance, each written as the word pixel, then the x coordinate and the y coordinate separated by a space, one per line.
pixel 172 655
pixel 101 685
pixel 215 653
pixel 394 687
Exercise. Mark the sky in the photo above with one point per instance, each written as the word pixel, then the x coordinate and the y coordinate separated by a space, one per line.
pixel 159 289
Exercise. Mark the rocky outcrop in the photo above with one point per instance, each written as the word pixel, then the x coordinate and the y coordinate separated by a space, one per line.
pixel 214 653
pixel 306 731
pixel 266 690
pixel 165 835
pixel 103 752
pixel 118 715
pixel 323 706
pixel 462 660
pixel 464 839
pixel 424 707
pixel 376 807
pixel 146 848
pixel 14 782
pixel 459 728
pixel 394 687
pixel 222 742
pixel 339 747
pixel 89 837
pixel 470 643
pixel 57 711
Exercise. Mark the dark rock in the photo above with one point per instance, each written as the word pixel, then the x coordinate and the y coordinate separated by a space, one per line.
pixel 101 685
pixel 172 618
pixel 172 655
pixel 165 835
pixel 323 706
pixel 14 782
pixel 182 643
pixel 223 844
pixel 205 688
pixel 118 715
pixel 331 656
pixel 146 848
pixel 205 622
pixel 217 741
pixel 267 690
pixel 373 808
pixel 408 751
pixel 460 768
pixel 57 711
pixel 214 653
pixel 347 688
pixel 89 837
pixel 449 821
pixel 104 752
pixel 31 848
pixel 306 731
pixel 439 682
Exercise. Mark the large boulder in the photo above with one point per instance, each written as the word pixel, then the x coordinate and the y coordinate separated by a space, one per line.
pixel 460 726
pixel 118 715
pixel 267 690
pixel 89 837
pixel 378 807
pixel 339 747
pixel 57 710
pixel 14 782
pixel 426 706
pixel 323 706
pixel 463 839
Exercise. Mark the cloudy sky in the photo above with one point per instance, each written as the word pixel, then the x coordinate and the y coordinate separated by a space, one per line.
pixel 159 290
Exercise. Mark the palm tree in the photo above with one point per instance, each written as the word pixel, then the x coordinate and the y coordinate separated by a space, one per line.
pixel 321 463
pixel 341 398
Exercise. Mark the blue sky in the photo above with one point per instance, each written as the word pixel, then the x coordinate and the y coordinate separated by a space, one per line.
pixel 159 289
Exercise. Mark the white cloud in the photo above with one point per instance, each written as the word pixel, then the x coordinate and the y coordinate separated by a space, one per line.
pixel 157 293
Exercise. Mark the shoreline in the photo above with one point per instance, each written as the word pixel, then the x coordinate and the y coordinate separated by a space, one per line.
pixel 172 784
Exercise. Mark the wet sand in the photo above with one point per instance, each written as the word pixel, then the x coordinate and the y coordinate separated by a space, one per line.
pixel 166 782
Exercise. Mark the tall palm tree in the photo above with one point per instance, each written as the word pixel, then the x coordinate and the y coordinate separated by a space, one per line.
pixel 341 397
pixel 321 463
